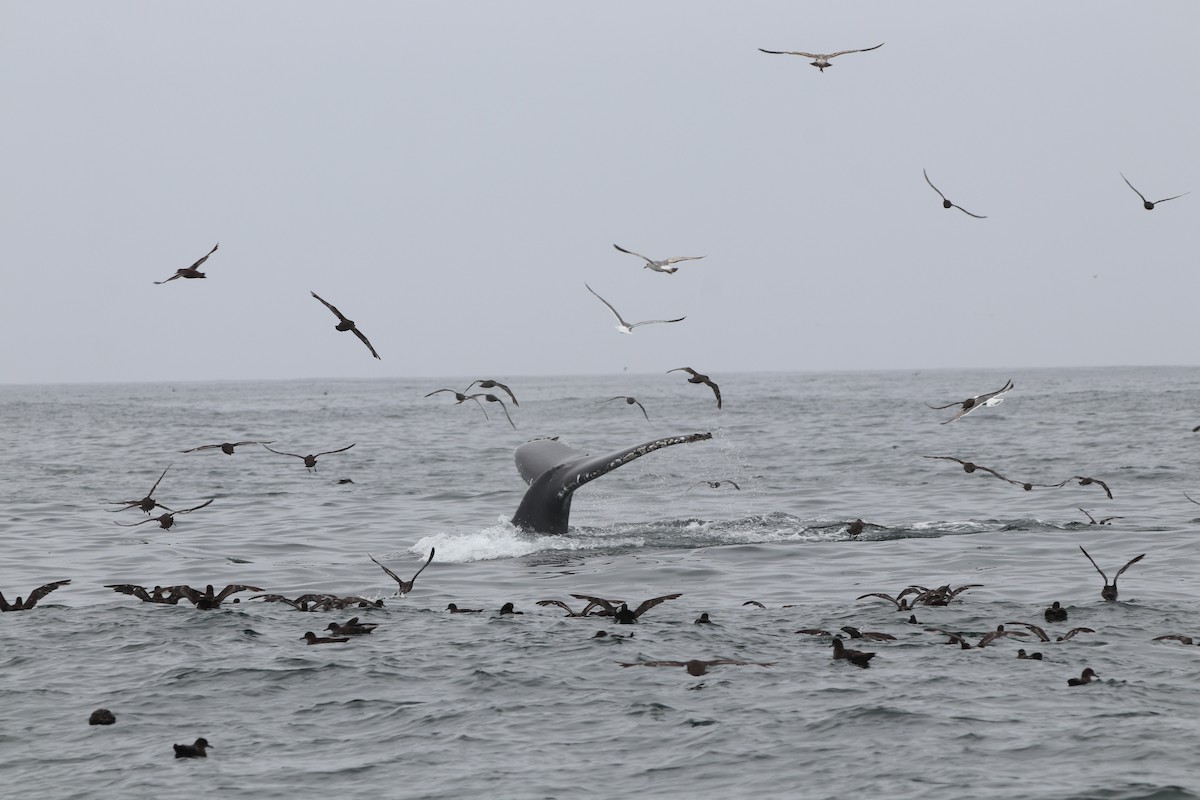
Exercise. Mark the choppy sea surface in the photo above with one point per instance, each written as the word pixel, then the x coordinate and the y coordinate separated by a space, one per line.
pixel 440 705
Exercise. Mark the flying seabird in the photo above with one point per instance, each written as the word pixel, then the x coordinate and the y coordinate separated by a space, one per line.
pixel 821 59
pixel 1087 482
pixel 1041 634
pixel 405 586
pixel 629 401
pixel 509 608
pixel 491 398
pixel 969 467
pixel 310 461
pixel 207 600
pixel 586 609
pixel 622 614
pixel 713 485
pixel 226 447
pixel 1109 592
pixel 34 596
pixel 490 384
pixel 166 595
pixel 191 272
pixel 196 750
pixel 946 203
pixel 971 403
pixel 1084 678
pixel 462 398
pixel 622 325
pixel 698 378
pixel 1176 637
pixel 697 666
pixel 1102 521
pixel 345 324
pixel 165 521
pixel 1146 204
pixel 659 266
pixel 147 503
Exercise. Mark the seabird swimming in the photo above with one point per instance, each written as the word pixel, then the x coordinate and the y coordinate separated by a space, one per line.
pixel 34 596
pixel 871 636
pixel 165 521
pixel 102 716
pixel 509 608
pixel 310 461
pixel 226 447
pixel 1146 204
pixel 703 619
pixel 856 657
pixel 696 666
pixel 629 401
pixel 586 609
pixel 1032 656
pixel 166 595
pixel 712 485
pixel 660 266
pixel 1093 521
pixel 405 586
pixel 490 384
pixel 312 638
pixel 989 399
pixel 191 272
pixel 622 614
pixel 147 503
pixel 454 609
pixel 622 325
pixel 207 600
pixel 352 627
pixel 196 750
pixel 345 324
pixel 946 203
pixel 821 59
pixel 1109 592
pixel 698 378
pixel 1176 637
pixel 1055 613
pixel 1083 679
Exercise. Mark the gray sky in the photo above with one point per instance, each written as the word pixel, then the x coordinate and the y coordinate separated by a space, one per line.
pixel 450 174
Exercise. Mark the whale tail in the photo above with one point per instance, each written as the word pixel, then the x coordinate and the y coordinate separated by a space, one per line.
pixel 554 471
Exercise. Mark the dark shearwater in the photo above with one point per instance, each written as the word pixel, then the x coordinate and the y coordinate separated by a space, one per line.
pixel 696 666
pixel 947 204
pixel 1174 637
pixel 167 595
pixel 102 716
pixel 312 638
pixel 627 327
pixel 1084 678
pixel 165 521
pixel 977 401
pixel 196 750
pixel 192 271
pixel 462 398
pixel 1147 204
pixel 352 627
pixel 622 614
pixel 821 59
pixel 345 324
pixel 509 608
pixel 629 401
pixel 310 461
pixel 856 657
pixel 586 609
pixel 1102 521
pixel 454 609
pixel 405 586
pixel 1056 613
pixel 1109 592
pixel 207 600
pixel 1033 656
pixel 491 398
pixel 226 447
pixel 1083 481
pixel 697 378
pixel 703 619
pixel 491 384
pixel 32 600
pixel 713 485
pixel 870 636
pixel 660 266
pixel 147 503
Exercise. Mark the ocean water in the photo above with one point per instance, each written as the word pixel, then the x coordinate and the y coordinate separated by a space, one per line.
pixel 439 705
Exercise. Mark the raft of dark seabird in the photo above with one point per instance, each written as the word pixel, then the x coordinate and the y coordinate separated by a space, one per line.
pixel 622 614
pixel 627 327
pixel 310 461
pixel 29 602
pixel 194 750
pixel 1109 592
pixel 345 324
pixel 226 447
pixel 192 271
pixel 660 266
pixel 404 587
pixel 697 378
pixel 821 60
pixel 554 471
pixel 697 666
pixel 629 401
pixel 946 203
pixel 978 401
pixel 167 520
pixel 1147 204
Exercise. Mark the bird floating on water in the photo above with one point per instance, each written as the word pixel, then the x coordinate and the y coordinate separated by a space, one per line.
pixel 196 750
pixel 697 666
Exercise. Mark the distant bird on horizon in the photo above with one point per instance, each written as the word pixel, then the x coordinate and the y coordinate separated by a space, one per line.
pixel 310 461
pixel 165 521
pixel 660 266
pixel 822 59
pixel 405 586
pixel 226 447
pixel 629 401
pixel 1147 204
pixel 345 324
pixel 29 602
pixel 191 272
pixel 490 384
pixel 697 378
pixel 622 325
pixel 1109 592
pixel 946 203
pixel 989 399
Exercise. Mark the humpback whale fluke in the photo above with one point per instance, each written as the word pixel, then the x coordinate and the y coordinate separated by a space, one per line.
pixel 554 471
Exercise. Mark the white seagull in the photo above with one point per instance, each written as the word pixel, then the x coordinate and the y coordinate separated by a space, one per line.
pixel 660 266
pixel 622 325
pixel 821 59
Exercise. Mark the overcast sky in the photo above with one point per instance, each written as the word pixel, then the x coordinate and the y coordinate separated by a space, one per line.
pixel 450 174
